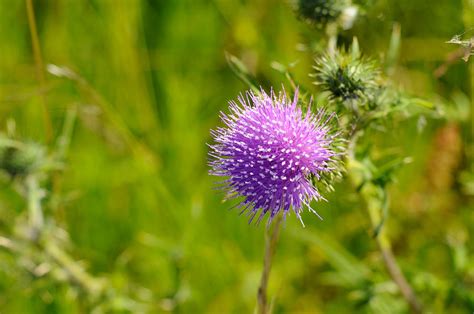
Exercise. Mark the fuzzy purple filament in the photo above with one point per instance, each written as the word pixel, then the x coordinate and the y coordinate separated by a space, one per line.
pixel 267 150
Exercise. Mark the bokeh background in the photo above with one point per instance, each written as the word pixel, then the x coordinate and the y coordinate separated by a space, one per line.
pixel 135 199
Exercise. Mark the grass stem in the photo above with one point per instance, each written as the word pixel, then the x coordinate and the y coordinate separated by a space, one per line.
pixel 39 68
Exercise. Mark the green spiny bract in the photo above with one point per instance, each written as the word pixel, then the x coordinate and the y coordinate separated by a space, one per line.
pixel 347 77
pixel 359 93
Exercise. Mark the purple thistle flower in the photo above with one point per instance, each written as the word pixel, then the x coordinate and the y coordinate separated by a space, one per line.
pixel 268 150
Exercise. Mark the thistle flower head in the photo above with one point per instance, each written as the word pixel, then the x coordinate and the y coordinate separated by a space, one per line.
pixel 268 150
pixel 345 76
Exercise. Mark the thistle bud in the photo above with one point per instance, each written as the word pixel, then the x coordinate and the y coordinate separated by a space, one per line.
pixel 346 77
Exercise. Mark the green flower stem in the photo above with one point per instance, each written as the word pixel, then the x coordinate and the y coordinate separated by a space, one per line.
pixel 271 240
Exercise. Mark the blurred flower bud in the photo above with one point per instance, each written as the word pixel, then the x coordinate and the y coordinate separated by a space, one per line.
pixel 322 12
pixel 17 158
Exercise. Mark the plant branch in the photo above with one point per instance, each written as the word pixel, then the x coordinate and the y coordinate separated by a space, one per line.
pixel 374 207
pixel 76 273
pixel 271 240
pixel 374 199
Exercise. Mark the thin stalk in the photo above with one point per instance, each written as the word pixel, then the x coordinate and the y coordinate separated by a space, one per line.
pixel 34 204
pixel 39 68
pixel 398 277
pixel 64 140
pixel 383 242
pixel 271 240
pixel 469 7
pixel 62 148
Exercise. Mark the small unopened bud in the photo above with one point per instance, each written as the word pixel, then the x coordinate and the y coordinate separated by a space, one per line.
pixel 18 158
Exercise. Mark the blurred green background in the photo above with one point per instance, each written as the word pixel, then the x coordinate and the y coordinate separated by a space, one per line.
pixel 136 198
